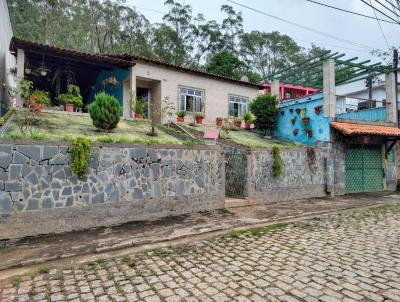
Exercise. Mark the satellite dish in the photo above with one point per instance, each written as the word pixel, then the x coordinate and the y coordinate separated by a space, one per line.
pixel 244 78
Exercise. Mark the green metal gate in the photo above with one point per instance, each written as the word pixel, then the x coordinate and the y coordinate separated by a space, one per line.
pixel 363 168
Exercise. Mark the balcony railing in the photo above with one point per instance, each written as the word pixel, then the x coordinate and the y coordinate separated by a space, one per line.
pixel 356 108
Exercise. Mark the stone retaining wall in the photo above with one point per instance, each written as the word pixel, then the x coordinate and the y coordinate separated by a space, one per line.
pixel 40 195
pixel 301 178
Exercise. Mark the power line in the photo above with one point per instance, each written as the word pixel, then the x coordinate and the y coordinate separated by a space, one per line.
pixel 303 27
pixel 370 5
pixel 380 26
pixel 392 11
pixel 349 11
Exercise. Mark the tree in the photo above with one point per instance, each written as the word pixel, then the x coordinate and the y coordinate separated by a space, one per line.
pixel 227 64
pixel 105 111
pixel 265 109
pixel 232 27
pixel 266 53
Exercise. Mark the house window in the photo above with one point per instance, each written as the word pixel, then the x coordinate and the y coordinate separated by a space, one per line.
pixel 190 99
pixel 237 105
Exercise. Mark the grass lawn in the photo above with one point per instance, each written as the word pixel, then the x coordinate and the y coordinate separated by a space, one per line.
pixel 244 137
pixel 61 126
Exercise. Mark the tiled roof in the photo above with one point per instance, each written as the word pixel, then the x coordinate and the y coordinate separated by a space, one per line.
pixel 136 58
pixel 30 46
pixel 365 129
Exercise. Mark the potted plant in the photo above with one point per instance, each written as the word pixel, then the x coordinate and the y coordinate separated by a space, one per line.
pixel 218 122
pixel 306 120
pixel 293 120
pixel 237 122
pixel 318 109
pixel 199 117
pixel 248 119
pixel 139 109
pixel 282 112
pixel 72 99
pixel 38 100
pixel 298 110
pixel 291 110
pixel 181 116
pixel 295 132
pixel 309 133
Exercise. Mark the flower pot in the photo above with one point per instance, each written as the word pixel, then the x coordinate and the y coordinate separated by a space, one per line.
pixel 247 125
pixel 295 132
pixel 238 124
pixel 199 120
pixel 69 107
pixel 291 110
pixel 305 120
pixel 180 119
pixel 139 116
pixel 293 120
pixel 317 110
pixel 309 133
pixel 218 123
pixel 36 107
pixel 298 110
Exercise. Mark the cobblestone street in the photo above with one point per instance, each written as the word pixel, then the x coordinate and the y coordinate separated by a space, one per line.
pixel 340 257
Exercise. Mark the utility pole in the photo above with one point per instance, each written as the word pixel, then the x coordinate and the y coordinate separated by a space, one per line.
pixel 395 66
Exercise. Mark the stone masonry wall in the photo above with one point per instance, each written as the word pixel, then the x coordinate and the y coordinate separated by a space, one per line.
pixel 39 194
pixel 298 179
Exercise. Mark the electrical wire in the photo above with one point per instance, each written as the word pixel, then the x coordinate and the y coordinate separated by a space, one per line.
pixel 380 27
pixel 370 5
pixel 349 11
pixel 303 27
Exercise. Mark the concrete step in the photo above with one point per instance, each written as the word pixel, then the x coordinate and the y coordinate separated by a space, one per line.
pixel 237 202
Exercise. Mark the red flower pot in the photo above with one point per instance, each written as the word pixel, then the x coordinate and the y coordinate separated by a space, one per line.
pixel 69 107
pixel 139 116
pixel 317 109
pixel 309 133
pixel 180 119
pixel 247 125
pixel 305 120
pixel 218 123
pixel 238 124
pixel 298 110
pixel 199 120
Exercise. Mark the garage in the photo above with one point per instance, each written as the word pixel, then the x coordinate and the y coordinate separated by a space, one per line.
pixel 364 171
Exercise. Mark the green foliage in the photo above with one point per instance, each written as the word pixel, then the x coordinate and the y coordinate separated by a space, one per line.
pixel 43 270
pixel 105 111
pixel 6 116
pixel 73 96
pixel 15 281
pixel 40 97
pixel 257 231
pixel 181 113
pixel 265 108
pixel 226 63
pixel 249 117
pixel 80 156
pixel 139 106
pixel 131 262
pixel 199 115
pixel 277 164
pixel 26 88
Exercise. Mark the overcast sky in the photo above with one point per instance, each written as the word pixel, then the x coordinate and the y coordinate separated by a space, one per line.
pixel 346 26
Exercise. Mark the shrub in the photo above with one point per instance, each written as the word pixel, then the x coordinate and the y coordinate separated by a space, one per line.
pixel 80 156
pixel 181 113
pixel 265 108
pixel 105 111
pixel 277 165
pixel 73 96
pixel 139 107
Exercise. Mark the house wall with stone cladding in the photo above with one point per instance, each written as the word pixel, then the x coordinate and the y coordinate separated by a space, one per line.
pixel 301 177
pixel 40 195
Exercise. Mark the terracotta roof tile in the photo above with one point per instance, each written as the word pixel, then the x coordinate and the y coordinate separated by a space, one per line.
pixel 354 129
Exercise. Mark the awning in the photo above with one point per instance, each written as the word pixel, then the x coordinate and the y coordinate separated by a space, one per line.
pixel 366 129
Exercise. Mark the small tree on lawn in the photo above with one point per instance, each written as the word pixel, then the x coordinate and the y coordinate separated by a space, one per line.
pixel 265 108
pixel 105 111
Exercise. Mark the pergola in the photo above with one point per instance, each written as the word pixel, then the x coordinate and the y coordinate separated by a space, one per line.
pixel 310 71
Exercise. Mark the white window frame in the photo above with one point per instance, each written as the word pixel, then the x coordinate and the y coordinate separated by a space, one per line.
pixel 243 104
pixel 196 93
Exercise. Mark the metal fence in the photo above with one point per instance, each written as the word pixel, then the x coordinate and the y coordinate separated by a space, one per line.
pixel 236 175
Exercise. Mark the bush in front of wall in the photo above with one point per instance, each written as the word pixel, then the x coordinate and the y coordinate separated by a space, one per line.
pixel 80 157
pixel 265 108
pixel 277 164
pixel 105 111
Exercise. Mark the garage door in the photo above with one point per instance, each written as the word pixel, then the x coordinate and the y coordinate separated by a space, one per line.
pixel 364 172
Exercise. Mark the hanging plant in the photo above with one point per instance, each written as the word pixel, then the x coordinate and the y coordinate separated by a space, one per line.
pixel 282 112
pixel 295 132
pixel 298 110
pixel 309 133
pixel 112 81
pixel 293 120
pixel 306 120
pixel 291 110
pixel 317 109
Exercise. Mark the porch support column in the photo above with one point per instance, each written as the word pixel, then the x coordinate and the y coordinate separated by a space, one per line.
pixel 20 74
pixel 329 88
pixel 391 113
pixel 132 92
pixel 275 88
